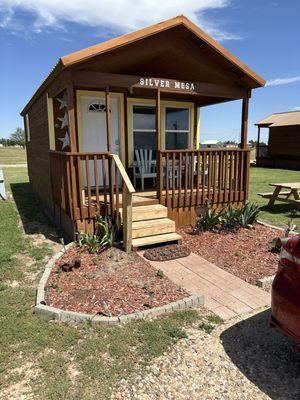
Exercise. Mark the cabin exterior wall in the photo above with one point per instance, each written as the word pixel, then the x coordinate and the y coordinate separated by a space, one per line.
pixel 37 148
pixel 283 150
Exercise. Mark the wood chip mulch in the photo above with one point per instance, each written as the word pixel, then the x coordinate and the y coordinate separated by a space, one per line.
pixel 165 253
pixel 244 253
pixel 112 283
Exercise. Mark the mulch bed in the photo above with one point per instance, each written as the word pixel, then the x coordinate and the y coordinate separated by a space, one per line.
pixel 244 253
pixel 165 253
pixel 112 283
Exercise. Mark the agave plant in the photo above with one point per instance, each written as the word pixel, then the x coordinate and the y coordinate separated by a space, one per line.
pixel 209 221
pixel 248 214
pixel 230 218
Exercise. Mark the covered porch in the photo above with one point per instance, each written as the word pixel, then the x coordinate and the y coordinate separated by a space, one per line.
pixel 107 129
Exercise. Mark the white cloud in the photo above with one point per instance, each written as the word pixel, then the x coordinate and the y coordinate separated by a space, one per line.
pixel 296 108
pixel 282 81
pixel 122 15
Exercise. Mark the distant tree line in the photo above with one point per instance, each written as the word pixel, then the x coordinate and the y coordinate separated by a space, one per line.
pixel 17 138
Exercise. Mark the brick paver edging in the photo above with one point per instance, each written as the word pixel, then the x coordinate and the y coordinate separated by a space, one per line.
pixel 52 313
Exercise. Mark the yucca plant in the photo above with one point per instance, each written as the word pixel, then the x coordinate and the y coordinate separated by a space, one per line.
pixel 248 214
pixel 90 242
pixel 107 232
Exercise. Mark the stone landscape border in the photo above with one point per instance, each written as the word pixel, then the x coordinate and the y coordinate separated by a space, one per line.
pixel 52 313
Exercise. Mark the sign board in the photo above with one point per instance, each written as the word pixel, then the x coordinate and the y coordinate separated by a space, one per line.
pixel 167 84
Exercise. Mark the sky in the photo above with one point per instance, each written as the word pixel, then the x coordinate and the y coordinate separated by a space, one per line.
pixel 263 34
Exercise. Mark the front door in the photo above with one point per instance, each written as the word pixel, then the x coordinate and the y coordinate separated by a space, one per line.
pixel 93 127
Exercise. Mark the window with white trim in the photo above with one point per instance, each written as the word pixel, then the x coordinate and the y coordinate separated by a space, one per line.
pixel 144 130
pixel 177 128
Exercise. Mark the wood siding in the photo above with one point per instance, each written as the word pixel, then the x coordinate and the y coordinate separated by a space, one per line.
pixel 38 150
pixel 285 141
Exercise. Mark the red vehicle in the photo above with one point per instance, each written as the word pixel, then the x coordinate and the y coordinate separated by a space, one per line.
pixel 286 291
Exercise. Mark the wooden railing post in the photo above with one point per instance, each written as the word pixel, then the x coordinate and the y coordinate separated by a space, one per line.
pixel 127 190
pixel 158 146
pixel 244 124
pixel 127 218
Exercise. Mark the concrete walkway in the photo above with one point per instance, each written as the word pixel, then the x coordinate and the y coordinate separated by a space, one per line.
pixel 224 294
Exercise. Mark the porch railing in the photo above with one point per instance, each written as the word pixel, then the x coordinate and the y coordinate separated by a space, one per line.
pixel 193 177
pixel 88 184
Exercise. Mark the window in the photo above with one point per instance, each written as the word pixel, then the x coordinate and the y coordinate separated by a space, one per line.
pixel 97 107
pixel 27 129
pixel 177 128
pixel 144 132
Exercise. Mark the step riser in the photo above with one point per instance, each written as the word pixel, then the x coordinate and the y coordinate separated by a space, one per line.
pixel 150 240
pixel 153 229
pixel 151 214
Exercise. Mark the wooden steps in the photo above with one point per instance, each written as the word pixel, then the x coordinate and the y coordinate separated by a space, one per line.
pixel 150 225
pixel 143 213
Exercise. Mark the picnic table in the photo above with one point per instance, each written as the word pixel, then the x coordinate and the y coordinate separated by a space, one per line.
pixel 290 195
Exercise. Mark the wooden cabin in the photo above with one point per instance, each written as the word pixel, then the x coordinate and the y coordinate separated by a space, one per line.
pixel 283 148
pixel 123 115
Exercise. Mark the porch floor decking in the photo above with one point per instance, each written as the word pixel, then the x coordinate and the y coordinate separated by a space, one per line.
pixel 224 294
pixel 149 197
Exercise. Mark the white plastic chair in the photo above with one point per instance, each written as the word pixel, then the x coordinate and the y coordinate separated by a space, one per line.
pixel 144 166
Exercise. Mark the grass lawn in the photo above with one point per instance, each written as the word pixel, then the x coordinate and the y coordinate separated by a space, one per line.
pixel 11 155
pixel 260 178
pixel 53 360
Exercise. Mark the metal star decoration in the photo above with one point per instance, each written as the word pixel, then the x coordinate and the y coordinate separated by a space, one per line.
pixel 62 101
pixel 65 141
pixel 64 120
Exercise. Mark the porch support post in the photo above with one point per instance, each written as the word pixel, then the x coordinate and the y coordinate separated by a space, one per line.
pixel 258 140
pixel 71 116
pixel 244 125
pixel 107 103
pixel 158 147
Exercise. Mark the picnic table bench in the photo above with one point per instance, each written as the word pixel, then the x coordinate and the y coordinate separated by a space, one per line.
pixel 292 195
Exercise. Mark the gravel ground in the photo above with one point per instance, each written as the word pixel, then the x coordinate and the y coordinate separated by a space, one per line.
pixel 241 360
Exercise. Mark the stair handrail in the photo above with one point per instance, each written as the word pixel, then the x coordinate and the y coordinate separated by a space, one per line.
pixel 127 191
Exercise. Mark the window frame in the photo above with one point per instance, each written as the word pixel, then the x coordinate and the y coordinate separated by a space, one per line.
pixel 188 132
pixel 140 130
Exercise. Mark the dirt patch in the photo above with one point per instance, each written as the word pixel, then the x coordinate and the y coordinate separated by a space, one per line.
pixel 244 253
pixel 113 283
pixel 20 390
pixel 165 253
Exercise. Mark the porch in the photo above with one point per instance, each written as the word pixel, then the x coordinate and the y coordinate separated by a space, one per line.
pixel 187 179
